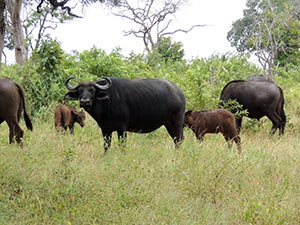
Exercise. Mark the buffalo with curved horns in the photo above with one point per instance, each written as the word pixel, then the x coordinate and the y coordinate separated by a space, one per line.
pixel 12 104
pixel 138 105
pixel 260 98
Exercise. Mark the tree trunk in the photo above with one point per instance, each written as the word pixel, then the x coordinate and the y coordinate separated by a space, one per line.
pixel 14 8
pixel 2 28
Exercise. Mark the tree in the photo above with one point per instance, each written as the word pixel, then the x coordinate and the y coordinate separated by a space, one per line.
pixel 63 5
pixel 152 19
pixel 2 26
pixel 14 8
pixel 270 29
pixel 43 88
pixel 56 5
pixel 36 24
pixel 11 24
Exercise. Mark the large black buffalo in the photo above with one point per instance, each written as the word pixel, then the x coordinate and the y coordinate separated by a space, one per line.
pixel 12 104
pixel 260 98
pixel 138 105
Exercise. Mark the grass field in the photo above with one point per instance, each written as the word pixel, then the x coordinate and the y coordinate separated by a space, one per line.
pixel 64 179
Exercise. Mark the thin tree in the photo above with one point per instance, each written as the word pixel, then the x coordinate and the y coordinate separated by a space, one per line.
pixel 152 18
pixel 37 24
pixel 269 30
pixel 2 27
pixel 14 8
pixel 12 25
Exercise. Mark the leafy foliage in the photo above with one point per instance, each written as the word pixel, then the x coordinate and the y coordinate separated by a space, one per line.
pixel 205 78
pixel 269 29
pixel 44 84
pixel 235 107
pixel 201 79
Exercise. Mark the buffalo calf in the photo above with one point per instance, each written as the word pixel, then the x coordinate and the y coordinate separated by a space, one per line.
pixel 215 121
pixel 65 116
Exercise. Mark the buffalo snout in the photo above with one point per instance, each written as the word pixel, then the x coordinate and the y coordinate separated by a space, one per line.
pixel 85 103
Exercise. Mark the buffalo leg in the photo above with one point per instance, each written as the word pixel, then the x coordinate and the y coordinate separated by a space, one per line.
pixel 19 134
pixel 107 141
pixel 15 131
pixel 283 121
pixel 200 137
pixel 273 129
pixel 176 132
pixel 229 141
pixel 11 132
pixel 200 134
pixel 238 124
pixel 281 128
pixel 276 121
pixel 71 129
pixel 236 139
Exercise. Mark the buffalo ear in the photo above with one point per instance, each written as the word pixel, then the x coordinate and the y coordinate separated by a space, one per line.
pixel 188 120
pixel 189 112
pixel 74 111
pixel 72 95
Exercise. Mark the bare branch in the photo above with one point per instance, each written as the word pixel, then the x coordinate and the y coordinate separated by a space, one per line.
pixel 184 31
pixel 152 19
pixel 55 4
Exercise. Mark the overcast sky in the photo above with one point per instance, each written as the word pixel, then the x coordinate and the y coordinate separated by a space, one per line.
pixel 101 29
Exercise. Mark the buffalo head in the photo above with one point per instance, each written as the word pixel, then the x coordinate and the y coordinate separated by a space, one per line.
pixel 80 117
pixel 87 92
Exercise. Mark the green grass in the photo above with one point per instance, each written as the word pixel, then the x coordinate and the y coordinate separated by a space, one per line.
pixel 64 179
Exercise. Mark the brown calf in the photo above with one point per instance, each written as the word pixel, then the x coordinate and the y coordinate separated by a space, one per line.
pixel 215 121
pixel 65 116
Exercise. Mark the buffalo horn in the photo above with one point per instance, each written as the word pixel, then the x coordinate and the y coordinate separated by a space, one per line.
pixel 68 86
pixel 105 86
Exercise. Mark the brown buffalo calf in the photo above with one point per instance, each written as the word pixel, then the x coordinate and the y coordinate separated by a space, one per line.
pixel 215 121
pixel 65 116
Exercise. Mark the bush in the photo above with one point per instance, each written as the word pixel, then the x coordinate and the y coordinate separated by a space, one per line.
pixel 205 78
pixel 201 80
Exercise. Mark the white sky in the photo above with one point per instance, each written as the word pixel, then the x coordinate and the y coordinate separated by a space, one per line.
pixel 101 29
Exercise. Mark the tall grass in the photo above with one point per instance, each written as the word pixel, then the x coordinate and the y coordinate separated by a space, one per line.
pixel 64 179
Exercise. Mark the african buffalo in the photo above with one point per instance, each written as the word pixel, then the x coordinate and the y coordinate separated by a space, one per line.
pixel 138 105
pixel 65 116
pixel 12 103
pixel 260 98
pixel 214 121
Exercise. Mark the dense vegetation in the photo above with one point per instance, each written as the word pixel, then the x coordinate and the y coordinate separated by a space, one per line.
pixel 64 179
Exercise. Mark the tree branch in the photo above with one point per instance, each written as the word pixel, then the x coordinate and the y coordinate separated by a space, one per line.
pixel 55 5
pixel 150 18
